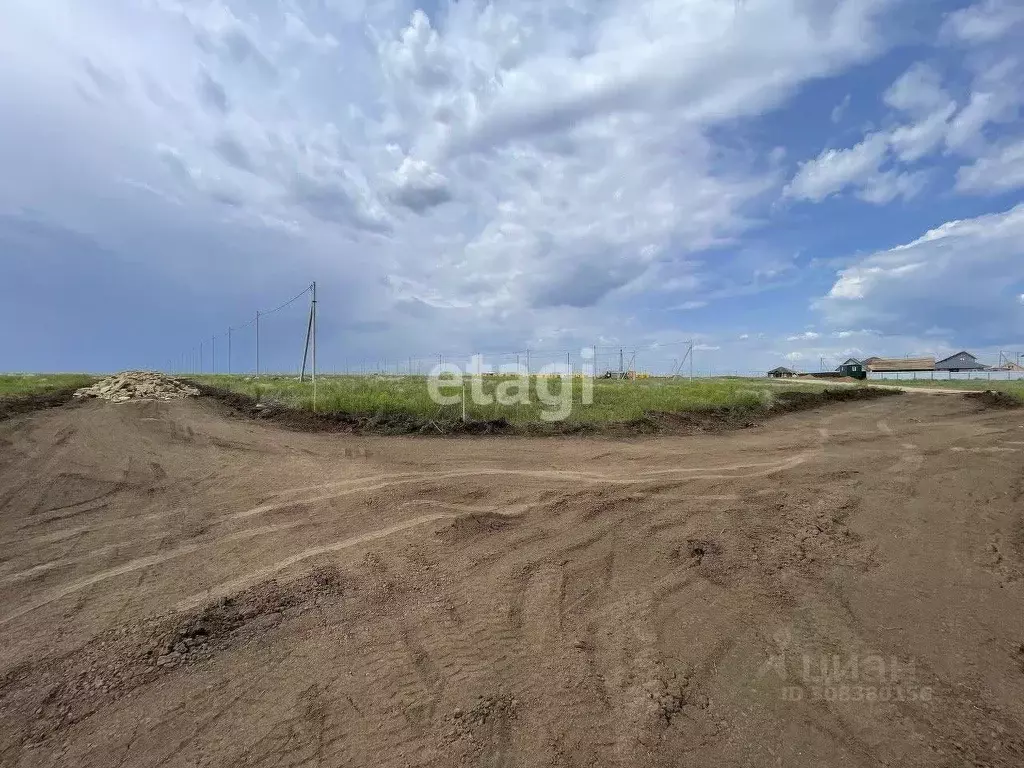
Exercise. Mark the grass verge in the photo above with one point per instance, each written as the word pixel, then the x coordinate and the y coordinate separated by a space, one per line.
pixel 402 405
pixel 22 384
pixel 22 393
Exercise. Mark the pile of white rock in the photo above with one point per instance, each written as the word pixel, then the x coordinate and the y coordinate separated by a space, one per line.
pixel 138 385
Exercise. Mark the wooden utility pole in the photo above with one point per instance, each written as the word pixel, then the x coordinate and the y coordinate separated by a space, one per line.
pixel 305 347
pixel 314 346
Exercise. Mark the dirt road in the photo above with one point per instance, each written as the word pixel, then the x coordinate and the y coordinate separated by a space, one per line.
pixel 841 587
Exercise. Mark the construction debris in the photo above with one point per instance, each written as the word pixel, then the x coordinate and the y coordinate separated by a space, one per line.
pixel 138 385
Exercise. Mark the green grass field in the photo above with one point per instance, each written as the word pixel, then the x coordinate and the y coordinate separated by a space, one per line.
pixel 19 384
pixel 548 399
pixel 409 395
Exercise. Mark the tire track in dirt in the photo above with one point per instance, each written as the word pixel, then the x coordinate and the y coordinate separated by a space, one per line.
pixel 540 618
pixel 513 510
pixel 612 685
pixel 94 553
pixel 182 551
pixel 235 585
pixel 909 461
pixel 990 449
pixel 376 484
pixel 68 532
pixel 484 471
pixel 137 564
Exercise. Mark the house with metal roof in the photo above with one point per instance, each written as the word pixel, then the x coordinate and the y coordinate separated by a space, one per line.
pixel 961 361
pixel 899 364
pixel 853 368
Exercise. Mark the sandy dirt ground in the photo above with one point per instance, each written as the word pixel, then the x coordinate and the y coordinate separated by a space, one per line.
pixel 840 587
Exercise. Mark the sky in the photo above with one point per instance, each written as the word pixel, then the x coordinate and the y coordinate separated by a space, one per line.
pixel 784 182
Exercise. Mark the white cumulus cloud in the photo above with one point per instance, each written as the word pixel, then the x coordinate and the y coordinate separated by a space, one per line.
pixel 925 122
pixel 999 170
pixel 985 21
pixel 918 91
pixel 835 169
pixel 961 274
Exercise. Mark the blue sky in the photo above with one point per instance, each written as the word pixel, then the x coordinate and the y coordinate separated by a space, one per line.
pixel 780 180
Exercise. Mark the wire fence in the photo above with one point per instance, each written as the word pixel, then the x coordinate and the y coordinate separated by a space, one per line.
pixel 995 375
pixel 243 348
pixel 261 345
pixel 618 361
pixel 258 346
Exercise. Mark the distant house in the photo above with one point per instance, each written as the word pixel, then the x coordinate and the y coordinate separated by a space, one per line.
pixel 781 373
pixel 899 364
pixel 961 361
pixel 853 368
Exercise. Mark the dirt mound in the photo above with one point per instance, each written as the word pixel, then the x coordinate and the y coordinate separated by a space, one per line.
pixel 696 422
pixel 135 655
pixel 789 401
pixel 472 523
pixel 995 399
pixel 12 406
pixel 138 385
pixel 233 620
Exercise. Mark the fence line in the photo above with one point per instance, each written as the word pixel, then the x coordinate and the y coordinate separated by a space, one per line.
pixel 193 361
pixel 947 376
pixel 625 360
pixel 621 360
pixel 673 358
